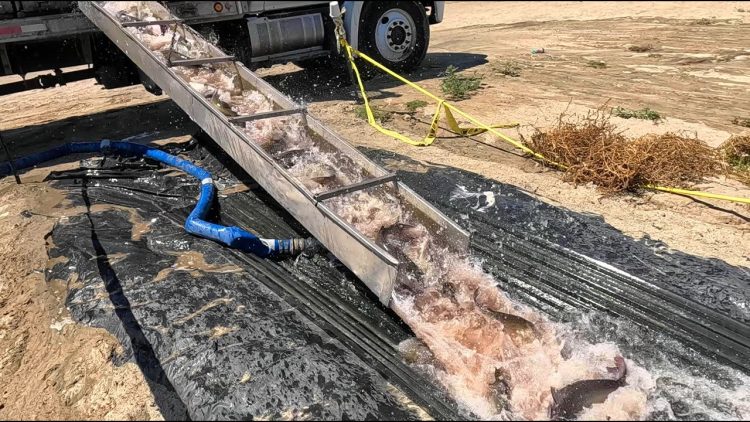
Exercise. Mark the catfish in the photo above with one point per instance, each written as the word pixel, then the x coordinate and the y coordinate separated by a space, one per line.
pixel 320 173
pixel 222 104
pixel 511 323
pixel 288 157
pixel 501 389
pixel 570 400
pixel 385 239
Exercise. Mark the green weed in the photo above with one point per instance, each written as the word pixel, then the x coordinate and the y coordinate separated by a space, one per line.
pixel 508 68
pixel 744 122
pixel 644 113
pixel 379 114
pixel 596 64
pixel 413 106
pixel 459 87
pixel 641 48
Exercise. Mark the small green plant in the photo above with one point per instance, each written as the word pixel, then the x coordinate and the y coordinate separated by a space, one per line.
pixel 596 64
pixel 739 163
pixel 736 153
pixel 457 86
pixel 643 114
pixel 508 68
pixel 380 115
pixel 413 106
pixel 641 48
pixel 745 122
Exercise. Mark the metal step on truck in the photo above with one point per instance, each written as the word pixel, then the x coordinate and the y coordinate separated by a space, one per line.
pixel 36 36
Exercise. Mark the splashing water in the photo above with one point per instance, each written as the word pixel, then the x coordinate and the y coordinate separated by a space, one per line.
pixel 488 197
pixel 686 385
pixel 497 357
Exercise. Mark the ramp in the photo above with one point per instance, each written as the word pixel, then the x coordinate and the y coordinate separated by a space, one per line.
pixel 377 268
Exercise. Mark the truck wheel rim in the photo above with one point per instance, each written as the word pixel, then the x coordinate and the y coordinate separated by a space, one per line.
pixel 394 35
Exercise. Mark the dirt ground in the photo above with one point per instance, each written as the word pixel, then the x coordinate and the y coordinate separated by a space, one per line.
pixel 54 367
pixel 695 75
pixel 51 367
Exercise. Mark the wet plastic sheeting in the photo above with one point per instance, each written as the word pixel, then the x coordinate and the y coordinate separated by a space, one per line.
pixel 244 337
pixel 230 346
pixel 710 282
pixel 681 317
pixel 547 256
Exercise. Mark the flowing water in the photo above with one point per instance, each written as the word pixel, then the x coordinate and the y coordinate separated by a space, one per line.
pixel 497 357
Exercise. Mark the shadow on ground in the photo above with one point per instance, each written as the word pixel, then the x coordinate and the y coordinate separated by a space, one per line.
pixel 328 84
pixel 164 117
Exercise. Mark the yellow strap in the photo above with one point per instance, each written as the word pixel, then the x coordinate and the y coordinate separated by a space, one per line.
pixel 699 194
pixel 480 127
pixel 434 124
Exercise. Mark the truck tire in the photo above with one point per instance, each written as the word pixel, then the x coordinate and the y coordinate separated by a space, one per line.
pixel 395 33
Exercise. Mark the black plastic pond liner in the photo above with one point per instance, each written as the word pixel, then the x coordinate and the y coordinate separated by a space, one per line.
pixel 254 339
pixel 303 338
pixel 544 255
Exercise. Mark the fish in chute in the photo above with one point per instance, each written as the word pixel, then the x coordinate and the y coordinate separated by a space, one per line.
pixel 570 400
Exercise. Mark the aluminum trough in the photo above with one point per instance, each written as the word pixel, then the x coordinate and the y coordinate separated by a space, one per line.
pixel 378 269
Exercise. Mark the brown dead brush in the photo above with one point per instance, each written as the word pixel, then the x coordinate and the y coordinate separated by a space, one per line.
pixel 594 152
pixel 674 160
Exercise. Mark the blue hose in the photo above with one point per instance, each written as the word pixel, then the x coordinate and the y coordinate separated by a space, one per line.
pixel 231 236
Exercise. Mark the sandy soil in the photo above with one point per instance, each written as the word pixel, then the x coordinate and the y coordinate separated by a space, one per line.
pixel 51 367
pixel 57 369
pixel 695 75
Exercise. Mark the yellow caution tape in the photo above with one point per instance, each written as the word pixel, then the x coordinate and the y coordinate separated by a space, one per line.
pixel 442 106
pixel 699 194
pixel 480 127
